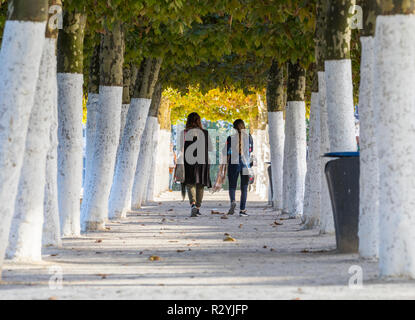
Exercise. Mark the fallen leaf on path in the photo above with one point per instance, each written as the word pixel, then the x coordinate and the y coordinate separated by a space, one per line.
pixel 224 217
pixel 215 212
pixel 173 241
pixel 180 251
pixel 229 239
pixel 154 258
pixel 163 220
pixel 265 247
pixel 170 210
pixel 98 241
pixel 240 226
pixel 305 251
pixel 103 276
pixel 277 223
pixel 227 234
pixel 107 228
pixel 54 254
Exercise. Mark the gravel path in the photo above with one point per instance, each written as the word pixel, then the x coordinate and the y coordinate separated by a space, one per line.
pixel 160 252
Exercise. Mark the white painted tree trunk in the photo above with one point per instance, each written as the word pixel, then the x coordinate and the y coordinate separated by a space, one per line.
pixel 124 113
pixel 395 137
pixel 97 191
pixel 369 169
pixel 276 139
pixel 51 224
pixel 295 157
pixel 313 184
pixel 91 130
pixel 20 58
pixel 326 218
pixel 340 109
pixel 261 151
pixel 70 149
pixel 144 164
pixel 155 162
pixel 127 159
pixel 25 240
pixel 163 162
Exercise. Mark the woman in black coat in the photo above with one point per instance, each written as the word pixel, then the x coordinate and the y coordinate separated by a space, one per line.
pixel 196 161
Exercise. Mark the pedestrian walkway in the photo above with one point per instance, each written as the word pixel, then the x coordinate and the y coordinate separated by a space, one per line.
pixel 160 252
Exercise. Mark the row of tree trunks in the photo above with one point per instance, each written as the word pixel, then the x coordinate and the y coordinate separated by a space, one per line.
pixel 98 186
pixel 148 152
pixel 21 53
pixel 130 144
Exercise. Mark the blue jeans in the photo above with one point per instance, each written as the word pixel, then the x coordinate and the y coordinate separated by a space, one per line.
pixel 171 178
pixel 234 171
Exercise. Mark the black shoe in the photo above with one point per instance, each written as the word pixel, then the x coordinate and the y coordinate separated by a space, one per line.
pixel 243 214
pixel 198 212
pixel 232 209
pixel 193 212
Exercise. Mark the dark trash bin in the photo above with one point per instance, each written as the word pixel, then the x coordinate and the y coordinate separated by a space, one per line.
pixel 343 181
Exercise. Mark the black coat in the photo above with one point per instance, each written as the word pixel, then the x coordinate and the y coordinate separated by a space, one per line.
pixel 198 172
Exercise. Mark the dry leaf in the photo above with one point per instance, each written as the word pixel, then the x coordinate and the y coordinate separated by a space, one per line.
pixel 240 226
pixel 103 276
pixel 154 258
pixel 215 212
pixel 98 241
pixel 229 239
pixel 277 223
pixel 180 251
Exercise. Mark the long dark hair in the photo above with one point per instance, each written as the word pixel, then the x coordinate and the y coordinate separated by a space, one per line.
pixel 193 121
pixel 239 125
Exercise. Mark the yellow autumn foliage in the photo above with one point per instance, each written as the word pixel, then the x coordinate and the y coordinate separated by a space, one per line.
pixel 214 105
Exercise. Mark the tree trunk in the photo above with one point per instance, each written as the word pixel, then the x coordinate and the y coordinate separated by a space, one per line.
pixel 338 71
pixel 25 240
pixel 295 163
pixel 126 100
pixel 130 144
pixel 165 143
pixel 148 154
pixel 51 225
pixel 21 53
pixel 315 179
pixel 369 168
pixel 70 113
pixel 395 136
pixel 92 112
pixel 276 105
pixel 95 209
